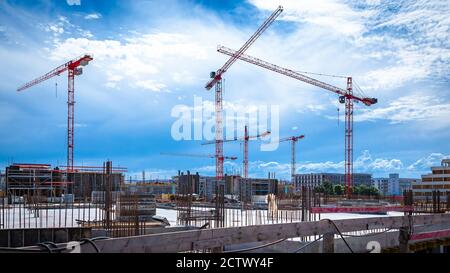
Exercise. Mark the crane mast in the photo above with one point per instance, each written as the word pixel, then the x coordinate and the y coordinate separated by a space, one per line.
pixel 245 161
pixel 216 80
pixel 73 69
pixel 293 140
pixel 246 139
pixel 345 96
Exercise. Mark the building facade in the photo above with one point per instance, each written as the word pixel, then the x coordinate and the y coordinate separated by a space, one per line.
pixel 393 185
pixel 234 186
pixel 315 179
pixel 381 184
pixel 250 187
pixel 2 181
pixel 437 180
pixel 47 182
pixel 156 188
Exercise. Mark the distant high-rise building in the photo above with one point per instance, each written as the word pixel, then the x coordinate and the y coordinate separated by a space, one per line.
pixel 393 185
pixel 381 184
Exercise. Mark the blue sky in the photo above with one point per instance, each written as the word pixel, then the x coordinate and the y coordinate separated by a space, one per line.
pixel 150 56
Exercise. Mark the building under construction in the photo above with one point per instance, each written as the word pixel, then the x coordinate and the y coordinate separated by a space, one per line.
pixel 41 180
pixel 235 187
pixel 435 185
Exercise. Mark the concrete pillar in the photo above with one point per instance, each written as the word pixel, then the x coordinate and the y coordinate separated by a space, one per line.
pixel 403 239
pixel 328 243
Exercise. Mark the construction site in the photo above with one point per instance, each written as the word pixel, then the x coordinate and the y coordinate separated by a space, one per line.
pixel 45 208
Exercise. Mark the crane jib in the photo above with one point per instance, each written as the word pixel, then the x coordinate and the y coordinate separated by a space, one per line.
pixel 244 47
pixel 83 61
pixel 296 75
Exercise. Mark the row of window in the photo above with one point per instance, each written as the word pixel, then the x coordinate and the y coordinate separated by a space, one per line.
pixel 435 179
pixel 441 171
pixel 426 187
pixel 443 193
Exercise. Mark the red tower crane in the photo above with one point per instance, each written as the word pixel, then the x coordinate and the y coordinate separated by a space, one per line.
pixel 74 69
pixel 246 138
pixel 293 140
pixel 345 96
pixel 216 80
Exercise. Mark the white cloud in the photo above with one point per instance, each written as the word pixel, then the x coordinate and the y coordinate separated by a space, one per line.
pixel 415 38
pixel 404 41
pixel 151 85
pixel 425 163
pixel 314 108
pixel 392 77
pixel 63 27
pixel 93 16
pixel 150 61
pixel 73 2
pixel 364 163
pixel 331 14
pixel 415 107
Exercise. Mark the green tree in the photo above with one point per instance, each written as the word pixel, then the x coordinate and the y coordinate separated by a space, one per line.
pixel 319 189
pixel 338 190
pixel 373 191
pixel 362 189
pixel 328 188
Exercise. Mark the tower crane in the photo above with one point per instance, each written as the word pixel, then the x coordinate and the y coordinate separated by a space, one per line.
pixel 246 138
pixel 345 96
pixel 216 80
pixel 293 140
pixel 74 68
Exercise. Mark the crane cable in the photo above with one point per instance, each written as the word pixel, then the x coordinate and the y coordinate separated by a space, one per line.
pixel 322 74
pixel 339 232
pixel 359 89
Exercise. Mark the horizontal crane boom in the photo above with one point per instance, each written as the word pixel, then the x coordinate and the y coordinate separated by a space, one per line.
pixel 83 60
pixel 238 139
pixel 293 74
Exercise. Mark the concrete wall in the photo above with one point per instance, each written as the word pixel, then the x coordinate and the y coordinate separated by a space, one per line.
pixel 33 236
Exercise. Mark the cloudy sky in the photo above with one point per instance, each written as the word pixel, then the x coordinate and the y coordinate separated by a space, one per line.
pixel 150 56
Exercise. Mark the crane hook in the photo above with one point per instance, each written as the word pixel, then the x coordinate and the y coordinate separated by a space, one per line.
pixel 56 87
pixel 338 116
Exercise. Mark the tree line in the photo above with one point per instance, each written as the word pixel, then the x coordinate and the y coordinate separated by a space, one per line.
pixel 339 189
